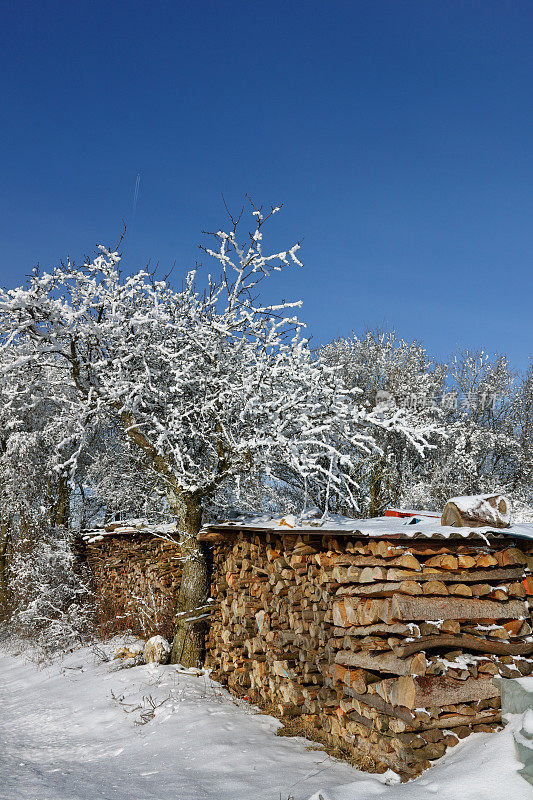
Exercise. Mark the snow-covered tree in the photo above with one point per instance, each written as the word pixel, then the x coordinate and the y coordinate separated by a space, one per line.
pixel 521 477
pixel 209 384
pixel 482 407
pixel 482 416
pixel 114 480
pixel 399 375
pixel 34 448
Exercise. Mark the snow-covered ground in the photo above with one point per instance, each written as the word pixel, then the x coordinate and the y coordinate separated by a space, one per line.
pixel 70 732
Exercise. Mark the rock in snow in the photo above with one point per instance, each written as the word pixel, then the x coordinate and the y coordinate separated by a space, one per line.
pixel 156 650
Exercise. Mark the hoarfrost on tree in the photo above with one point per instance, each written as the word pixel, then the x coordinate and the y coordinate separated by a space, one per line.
pixel 209 383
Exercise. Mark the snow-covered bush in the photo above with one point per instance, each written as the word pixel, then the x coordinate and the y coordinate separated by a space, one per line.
pixel 50 592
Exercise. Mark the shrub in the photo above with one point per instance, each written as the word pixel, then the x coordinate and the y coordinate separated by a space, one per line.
pixel 52 604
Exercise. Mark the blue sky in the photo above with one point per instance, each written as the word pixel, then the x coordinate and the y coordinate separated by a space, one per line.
pixel 397 134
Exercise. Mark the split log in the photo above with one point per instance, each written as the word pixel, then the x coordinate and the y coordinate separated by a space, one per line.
pixel 357 679
pixel 435 587
pixel 356 612
pixel 383 662
pixel 471 576
pixel 381 705
pixel 444 561
pixel 486 560
pixel 461 589
pixel 214 536
pixel 466 561
pixel 377 589
pixel 453 720
pixel 436 690
pixel 403 607
pixel 510 557
pixel 383 629
pixel 464 642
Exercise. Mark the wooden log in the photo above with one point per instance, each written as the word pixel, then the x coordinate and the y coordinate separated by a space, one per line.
pixel 481 589
pixel 464 642
pixel 477 511
pixel 410 587
pixel 444 561
pixel 516 589
pixel 486 560
pixel 498 594
pixel 215 537
pixel 382 628
pixel 470 576
pixel 460 589
pixel 403 607
pixel 377 702
pixel 429 752
pixel 383 662
pixel 406 560
pixel 357 679
pixel 353 611
pixel 375 589
pixel 346 574
pixel 436 690
pixel 371 574
pixel 510 557
pixel 516 626
pixel 435 587
pixel 420 721
pixel 443 626
pixel 385 549
pixel 466 561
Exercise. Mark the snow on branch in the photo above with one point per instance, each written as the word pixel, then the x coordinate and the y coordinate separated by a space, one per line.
pixel 208 384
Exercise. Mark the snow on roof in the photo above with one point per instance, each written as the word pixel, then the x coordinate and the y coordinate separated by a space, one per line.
pixel 129 527
pixel 425 524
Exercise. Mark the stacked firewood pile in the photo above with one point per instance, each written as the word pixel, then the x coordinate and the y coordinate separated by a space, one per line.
pixel 387 645
pixel 137 576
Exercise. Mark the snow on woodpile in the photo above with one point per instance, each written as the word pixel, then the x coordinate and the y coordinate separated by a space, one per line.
pixel 137 571
pixel 130 526
pixel 421 524
pixel 381 640
pixel 478 510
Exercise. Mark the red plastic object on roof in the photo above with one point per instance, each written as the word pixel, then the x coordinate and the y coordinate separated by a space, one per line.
pixel 393 512
pixel 396 512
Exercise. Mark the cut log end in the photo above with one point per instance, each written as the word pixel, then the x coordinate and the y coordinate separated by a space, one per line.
pixel 477 511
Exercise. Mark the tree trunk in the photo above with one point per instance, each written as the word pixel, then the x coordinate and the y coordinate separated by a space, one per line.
pixel 376 478
pixel 189 639
pixel 5 546
pixel 61 507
